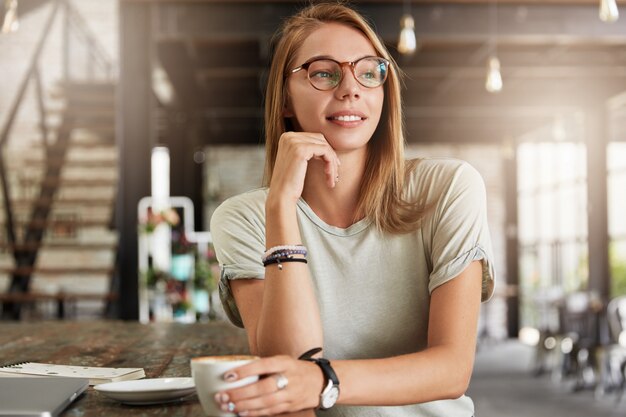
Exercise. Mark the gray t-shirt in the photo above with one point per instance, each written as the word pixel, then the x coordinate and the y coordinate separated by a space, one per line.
pixel 373 288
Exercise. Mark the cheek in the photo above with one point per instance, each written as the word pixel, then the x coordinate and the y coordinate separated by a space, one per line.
pixel 303 107
pixel 376 104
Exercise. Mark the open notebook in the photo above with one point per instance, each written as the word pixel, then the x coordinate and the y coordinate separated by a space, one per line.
pixel 38 397
pixel 96 375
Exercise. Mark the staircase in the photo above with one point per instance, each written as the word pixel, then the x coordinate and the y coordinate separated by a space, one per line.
pixel 63 192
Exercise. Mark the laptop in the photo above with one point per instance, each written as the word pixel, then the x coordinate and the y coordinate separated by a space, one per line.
pixel 38 396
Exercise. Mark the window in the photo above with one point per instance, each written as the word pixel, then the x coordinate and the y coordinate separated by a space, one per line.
pixel 552 222
pixel 616 165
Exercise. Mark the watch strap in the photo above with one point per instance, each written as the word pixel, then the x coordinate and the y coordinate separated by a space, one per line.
pixel 330 391
pixel 327 370
pixel 308 355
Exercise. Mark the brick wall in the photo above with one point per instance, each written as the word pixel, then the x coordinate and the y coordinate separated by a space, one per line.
pixel 18 48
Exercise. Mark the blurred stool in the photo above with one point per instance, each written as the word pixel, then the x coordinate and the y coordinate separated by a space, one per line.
pixel 612 379
pixel 546 302
pixel 580 320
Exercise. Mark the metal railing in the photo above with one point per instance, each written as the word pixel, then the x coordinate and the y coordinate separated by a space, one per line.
pixel 76 34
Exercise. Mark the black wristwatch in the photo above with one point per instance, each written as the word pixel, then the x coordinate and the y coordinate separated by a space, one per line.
pixel 330 392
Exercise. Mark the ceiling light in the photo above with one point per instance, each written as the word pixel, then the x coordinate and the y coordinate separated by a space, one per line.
pixel 494 78
pixel 11 23
pixel 493 84
pixel 407 44
pixel 608 11
pixel 162 85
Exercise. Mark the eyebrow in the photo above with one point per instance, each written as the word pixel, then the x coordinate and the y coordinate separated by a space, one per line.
pixel 315 58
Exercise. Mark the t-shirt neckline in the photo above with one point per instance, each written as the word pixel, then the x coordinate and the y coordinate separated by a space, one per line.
pixel 338 231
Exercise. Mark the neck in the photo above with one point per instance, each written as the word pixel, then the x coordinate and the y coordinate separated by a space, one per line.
pixel 335 206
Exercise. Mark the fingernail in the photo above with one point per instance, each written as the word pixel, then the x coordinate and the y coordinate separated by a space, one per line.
pixel 230 376
pixel 221 397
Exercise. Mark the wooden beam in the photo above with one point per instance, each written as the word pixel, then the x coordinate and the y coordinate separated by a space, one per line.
pixel 134 144
pixel 534 22
pixel 596 132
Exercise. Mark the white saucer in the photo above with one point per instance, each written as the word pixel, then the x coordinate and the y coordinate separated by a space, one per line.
pixel 148 391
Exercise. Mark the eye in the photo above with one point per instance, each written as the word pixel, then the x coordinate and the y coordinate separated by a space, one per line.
pixel 321 74
pixel 369 75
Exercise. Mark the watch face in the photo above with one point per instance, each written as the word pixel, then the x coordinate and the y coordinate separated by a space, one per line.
pixel 329 398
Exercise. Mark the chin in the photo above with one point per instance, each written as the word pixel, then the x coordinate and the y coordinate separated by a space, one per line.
pixel 347 144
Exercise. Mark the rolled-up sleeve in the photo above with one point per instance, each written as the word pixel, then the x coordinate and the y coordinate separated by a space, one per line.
pixel 238 232
pixel 460 233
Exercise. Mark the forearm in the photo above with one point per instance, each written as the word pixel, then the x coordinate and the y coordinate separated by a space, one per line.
pixel 289 321
pixel 441 371
pixel 434 374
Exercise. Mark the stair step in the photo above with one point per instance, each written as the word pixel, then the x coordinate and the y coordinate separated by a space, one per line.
pixel 45 224
pixel 104 87
pixel 62 296
pixel 56 270
pixel 60 246
pixel 86 202
pixel 70 163
pixel 84 110
pixel 99 125
pixel 65 182
pixel 95 146
pixel 72 145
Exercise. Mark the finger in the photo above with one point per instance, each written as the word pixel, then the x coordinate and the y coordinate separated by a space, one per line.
pixel 257 403
pixel 263 366
pixel 266 386
pixel 279 409
pixel 316 136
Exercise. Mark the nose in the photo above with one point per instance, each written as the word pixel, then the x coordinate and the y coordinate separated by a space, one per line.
pixel 349 87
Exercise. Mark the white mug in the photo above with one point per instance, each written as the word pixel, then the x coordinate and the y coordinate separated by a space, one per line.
pixel 208 375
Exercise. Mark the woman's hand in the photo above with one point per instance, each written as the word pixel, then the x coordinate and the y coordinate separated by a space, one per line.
pixel 295 150
pixel 286 385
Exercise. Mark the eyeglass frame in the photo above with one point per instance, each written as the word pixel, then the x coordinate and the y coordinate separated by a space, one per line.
pixel 351 64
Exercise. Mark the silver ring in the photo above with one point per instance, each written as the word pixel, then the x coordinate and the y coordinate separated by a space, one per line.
pixel 231 406
pixel 281 381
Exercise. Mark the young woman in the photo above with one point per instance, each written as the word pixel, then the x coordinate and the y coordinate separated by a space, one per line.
pixel 382 262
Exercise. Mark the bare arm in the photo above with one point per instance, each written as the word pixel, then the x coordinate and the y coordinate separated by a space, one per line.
pixel 441 371
pixel 280 313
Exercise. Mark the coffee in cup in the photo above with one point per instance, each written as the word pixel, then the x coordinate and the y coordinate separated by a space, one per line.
pixel 208 375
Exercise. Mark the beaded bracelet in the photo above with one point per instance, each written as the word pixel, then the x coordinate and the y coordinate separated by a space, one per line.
pixel 283 247
pixel 281 261
pixel 285 253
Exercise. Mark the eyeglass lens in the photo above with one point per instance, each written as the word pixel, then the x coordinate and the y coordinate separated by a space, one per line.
pixel 325 74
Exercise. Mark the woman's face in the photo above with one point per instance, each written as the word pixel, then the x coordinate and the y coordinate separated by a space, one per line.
pixel 347 115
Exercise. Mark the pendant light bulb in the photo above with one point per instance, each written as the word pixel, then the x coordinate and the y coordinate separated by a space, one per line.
pixel 494 77
pixel 608 11
pixel 407 44
pixel 11 22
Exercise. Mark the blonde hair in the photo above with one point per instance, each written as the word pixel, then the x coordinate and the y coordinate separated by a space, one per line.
pixel 381 193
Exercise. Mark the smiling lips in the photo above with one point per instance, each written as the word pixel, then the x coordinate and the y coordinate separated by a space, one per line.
pixel 346 119
pixel 352 118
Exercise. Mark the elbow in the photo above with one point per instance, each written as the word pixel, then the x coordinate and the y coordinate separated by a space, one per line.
pixel 457 391
pixel 457 386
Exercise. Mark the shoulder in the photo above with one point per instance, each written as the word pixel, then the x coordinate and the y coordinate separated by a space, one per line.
pixel 245 207
pixel 441 168
pixel 437 176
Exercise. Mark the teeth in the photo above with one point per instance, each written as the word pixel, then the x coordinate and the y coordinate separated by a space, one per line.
pixel 350 118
